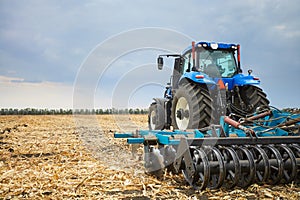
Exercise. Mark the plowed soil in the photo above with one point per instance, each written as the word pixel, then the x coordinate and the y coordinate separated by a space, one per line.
pixel 67 157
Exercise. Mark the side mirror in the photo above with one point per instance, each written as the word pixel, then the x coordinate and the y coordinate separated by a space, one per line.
pixel 250 71
pixel 160 63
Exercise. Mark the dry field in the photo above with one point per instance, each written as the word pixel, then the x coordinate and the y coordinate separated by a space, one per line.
pixel 62 157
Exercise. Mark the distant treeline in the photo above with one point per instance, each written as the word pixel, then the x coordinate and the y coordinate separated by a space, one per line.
pixel 35 111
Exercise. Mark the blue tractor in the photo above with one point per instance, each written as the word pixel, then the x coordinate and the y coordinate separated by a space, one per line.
pixel 223 131
pixel 207 82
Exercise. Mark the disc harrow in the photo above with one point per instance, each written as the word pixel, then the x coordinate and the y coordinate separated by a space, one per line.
pixel 242 166
pixel 263 148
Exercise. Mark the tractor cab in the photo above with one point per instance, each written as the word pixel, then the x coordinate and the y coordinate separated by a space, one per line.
pixel 216 63
pixel 207 63
pixel 215 60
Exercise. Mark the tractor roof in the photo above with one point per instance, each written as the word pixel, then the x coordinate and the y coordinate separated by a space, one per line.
pixel 212 45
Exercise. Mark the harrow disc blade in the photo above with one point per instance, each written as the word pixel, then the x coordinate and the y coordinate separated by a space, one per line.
pixel 201 177
pixel 289 163
pixel 248 169
pixel 216 179
pixel 261 164
pixel 296 150
pixel 154 163
pixel 169 157
pixel 232 174
pixel 276 167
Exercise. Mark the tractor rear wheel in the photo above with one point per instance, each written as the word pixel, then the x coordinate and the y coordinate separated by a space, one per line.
pixel 191 107
pixel 253 97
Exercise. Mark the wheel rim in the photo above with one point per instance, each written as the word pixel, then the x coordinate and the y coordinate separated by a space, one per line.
pixel 182 108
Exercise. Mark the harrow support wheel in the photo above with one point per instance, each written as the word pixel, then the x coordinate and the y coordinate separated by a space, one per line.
pixel 248 171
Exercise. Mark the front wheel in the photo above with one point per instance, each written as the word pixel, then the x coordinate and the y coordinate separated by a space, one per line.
pixel 191 107
pixel 156 117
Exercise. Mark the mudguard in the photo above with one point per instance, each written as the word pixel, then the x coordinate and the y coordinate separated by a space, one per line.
pixel 241 80
pixel 202 78
pixel 197 77
pixel 160 101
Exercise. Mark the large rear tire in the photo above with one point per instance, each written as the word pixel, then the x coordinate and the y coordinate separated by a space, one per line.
pixel 191 107
pixel 253 97
pixel 156 119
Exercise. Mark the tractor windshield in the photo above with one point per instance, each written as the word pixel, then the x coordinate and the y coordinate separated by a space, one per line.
pixel 216 63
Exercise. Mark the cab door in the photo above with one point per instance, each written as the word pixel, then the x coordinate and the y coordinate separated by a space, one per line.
pixel 181 65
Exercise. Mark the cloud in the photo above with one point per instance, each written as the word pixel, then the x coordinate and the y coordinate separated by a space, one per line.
pixel 16 93
pixel 47 41
pixel 106 65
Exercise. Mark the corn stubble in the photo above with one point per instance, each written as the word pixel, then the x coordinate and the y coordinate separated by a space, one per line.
pixel 49 157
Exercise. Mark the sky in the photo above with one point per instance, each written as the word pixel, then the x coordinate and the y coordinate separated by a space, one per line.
pixel 102 53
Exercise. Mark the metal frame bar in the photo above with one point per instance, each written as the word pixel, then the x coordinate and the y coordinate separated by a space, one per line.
pixel 244 140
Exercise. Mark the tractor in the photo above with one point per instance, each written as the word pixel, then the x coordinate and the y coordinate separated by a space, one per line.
pixel 215 124
pixel 207 82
